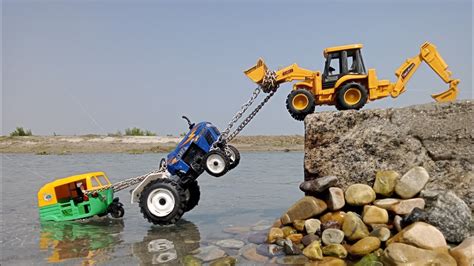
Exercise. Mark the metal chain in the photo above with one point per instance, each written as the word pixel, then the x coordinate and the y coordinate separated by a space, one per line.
pixel 121 185
pixel 268 85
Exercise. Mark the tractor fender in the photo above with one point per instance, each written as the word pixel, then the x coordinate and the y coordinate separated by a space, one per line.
pixel 136 192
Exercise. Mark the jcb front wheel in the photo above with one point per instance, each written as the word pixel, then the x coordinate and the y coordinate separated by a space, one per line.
pixel 216 163
pixel 352 95
pixel 300 103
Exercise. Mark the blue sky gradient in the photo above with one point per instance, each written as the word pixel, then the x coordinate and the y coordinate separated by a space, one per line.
pixel 79 67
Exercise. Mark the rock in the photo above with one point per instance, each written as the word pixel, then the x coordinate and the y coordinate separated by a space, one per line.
pixel 292 260
pixel 412 182
pixel 448 213
pixel 336 199
pixel 226 261
pixel 270 250
pixel 335 250
pixel 289 248
pixel 332 236
pixel 382 233
pixel 353 227
pixel 260 227
pixel 237 230
pixel 318 185
pixel 299 225
pixel 208 253
pixel 189 260
pixel 374 215
pixel 356 144
pixel 421 235
pixel 313 251
pixel 359 194
pixel 397 222
pixel 274 234
pixel 464 253
pixel 295 238
pixel 386 203
pixel 305 208
pixel 372 259
pixel 365 246
pixel 405 207
pixel 327 261
pixel 258 238
pixel 403 254
pixel 288 230
pixel 308 239
pixel 230 243
pixel 312 226
pixel 333 220
pixel 277 223
pixel 385 182
pixel 250 253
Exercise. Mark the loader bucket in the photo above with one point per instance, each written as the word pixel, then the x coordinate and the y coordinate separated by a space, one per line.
pixel 257 72
pixel 449 95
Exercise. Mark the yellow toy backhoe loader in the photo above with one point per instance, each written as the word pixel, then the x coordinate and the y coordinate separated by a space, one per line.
pixel 346 83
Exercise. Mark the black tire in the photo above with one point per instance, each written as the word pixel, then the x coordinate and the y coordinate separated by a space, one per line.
pixel 179 201
pixel 298 113
pixel 342 104
pixel 216 159
pixel 118 212
pixel 232 151
pixel 193 194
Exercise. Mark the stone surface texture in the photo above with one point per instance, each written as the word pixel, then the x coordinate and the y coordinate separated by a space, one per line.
pixel 354 145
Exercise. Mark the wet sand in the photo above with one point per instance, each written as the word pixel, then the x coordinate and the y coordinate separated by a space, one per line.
pixel 134 144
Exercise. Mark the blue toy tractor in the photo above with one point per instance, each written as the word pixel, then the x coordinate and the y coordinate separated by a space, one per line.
pixel 167 195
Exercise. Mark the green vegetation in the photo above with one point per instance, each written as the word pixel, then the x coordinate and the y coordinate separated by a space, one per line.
pixel 20 131
pixel 116 134
pixel 138 132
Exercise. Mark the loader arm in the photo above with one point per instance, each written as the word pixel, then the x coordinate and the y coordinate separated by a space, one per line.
pixel 431 56
pixel 286 74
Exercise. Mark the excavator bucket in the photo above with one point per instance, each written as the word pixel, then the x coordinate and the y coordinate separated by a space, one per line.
pixel 450 95
pixel 257 72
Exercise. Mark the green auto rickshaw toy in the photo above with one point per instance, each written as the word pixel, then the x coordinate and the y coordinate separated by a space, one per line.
pixel 78 197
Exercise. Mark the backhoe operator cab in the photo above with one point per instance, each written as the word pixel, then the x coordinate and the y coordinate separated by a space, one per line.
pixel 340 62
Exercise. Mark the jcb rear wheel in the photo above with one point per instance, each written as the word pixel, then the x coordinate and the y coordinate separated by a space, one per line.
pixel 300 103
pixel 352 95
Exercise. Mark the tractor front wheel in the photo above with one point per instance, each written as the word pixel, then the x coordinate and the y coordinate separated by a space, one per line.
pixel 350 96
pixel 216 163
pixel 234 156
pixel 300 103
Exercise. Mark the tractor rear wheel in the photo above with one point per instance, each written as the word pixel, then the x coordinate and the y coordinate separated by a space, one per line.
pixel 193 194
pixel 216 163
pixel 350 96
pixel 234 156
pixel 300 103
pixel 163 201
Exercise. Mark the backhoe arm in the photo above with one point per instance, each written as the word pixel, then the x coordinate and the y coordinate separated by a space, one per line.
pixel 430 55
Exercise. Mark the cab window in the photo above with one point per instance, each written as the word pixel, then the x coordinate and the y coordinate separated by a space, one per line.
pixel 103 180
pixel 94 182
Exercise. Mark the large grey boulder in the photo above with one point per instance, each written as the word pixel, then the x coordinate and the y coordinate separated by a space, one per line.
pixel 354 145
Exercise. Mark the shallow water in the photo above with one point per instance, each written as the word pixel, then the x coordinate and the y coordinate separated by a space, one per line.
pixel 256 192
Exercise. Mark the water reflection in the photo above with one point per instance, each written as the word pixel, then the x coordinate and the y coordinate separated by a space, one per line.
pixel 167 245
pixel 91 241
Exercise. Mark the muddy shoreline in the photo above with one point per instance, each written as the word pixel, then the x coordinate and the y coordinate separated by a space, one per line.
pixel 43 145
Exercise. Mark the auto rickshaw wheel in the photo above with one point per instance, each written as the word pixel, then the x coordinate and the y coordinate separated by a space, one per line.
pixel 163 201
pixel 117 212
pixel 193 194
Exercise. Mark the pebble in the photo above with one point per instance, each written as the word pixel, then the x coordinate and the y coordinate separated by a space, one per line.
pixel 332 236
pixel 270 250
pixel 332 220
pixel 292 260
pixel 412 182
pixel 336 199
pixel 327 261
pixel 258 238
pixel 312 226
pixel 250 252
pixel 299 225
pixel 313 251
pixel 464 253
pixel 374 215
pixel 353 227
pixel 289 248
pixel 226 261
pixel 209 253
pixel 230 243
pixel 189 260
pixel 372 259
pixel 359 195
pixel 420 235
pixel 403 254
pixel 365 246
pixel 382 233
pixel 308 239
pixel 385 182
pixel 405 207
pixel 386 203
pixel 318 185
pixel 237 230
pixel 397 222
pixel 335 250
pixel 295 238
pixel 274 234
pixel 303 209
pixel 288 230
pixel 277 223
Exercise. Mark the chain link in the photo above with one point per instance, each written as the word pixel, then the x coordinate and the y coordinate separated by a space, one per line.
pixel 121 185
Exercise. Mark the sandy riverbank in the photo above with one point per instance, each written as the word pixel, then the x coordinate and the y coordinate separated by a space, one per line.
pixel 134 144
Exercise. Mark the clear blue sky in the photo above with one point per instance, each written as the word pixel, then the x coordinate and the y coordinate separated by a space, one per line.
pixel 78 67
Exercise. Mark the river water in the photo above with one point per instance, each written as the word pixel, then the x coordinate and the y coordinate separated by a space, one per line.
pixel 263 186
